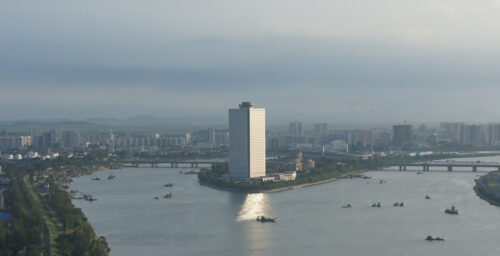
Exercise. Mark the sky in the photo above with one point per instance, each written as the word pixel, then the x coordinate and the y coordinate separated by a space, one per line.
pixel 332 60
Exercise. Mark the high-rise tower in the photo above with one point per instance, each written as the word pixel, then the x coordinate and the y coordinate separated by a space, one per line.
pixel 247 141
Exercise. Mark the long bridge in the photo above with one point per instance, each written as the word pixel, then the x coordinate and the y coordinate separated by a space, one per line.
pixel 449 165
pixel 155 163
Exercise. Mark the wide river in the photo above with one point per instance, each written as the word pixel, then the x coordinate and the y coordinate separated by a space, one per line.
pixel 200 220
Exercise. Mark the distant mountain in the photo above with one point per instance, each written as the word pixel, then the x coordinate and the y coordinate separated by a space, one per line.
pixel 150 121
pixel 64 124
pixel 141 120
pixel 104 124
pixel 52 123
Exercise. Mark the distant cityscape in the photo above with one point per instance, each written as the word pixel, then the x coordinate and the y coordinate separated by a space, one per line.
pixel 298 137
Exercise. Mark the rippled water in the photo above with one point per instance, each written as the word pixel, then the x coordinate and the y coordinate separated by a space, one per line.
pixel 199 220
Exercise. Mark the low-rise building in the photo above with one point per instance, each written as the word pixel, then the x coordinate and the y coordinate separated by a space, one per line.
pixel 287 176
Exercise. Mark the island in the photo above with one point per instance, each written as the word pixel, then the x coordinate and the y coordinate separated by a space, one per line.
pixel 326 170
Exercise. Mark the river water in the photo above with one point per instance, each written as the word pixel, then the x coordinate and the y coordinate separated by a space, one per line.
pixel 200 220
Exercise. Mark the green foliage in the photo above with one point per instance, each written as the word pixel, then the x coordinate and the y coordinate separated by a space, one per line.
pixel 29 230
pixel 326 168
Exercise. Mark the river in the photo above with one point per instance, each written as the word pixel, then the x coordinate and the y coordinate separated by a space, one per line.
pixel 200 220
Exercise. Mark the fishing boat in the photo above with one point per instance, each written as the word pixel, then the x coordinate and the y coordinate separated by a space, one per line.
pixel 264 219
pixel 452 211
pixel 430 238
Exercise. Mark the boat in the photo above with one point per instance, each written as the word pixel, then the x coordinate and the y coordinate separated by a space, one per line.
pixel 427 197
pixel 419 172
pixel 401 204
pixel 168 185
pixel 264 219
pixel 169 195
pixel 452 211
pixel 157 198
pixel 96 178
pixel 347 206
pixel 430 238
pixel 376 204
pixel 74 191
pixel 111 176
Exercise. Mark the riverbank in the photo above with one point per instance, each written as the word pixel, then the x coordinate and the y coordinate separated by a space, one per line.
pixel 488 188
pixel 273 190
pixel 55 225
pixel 302 185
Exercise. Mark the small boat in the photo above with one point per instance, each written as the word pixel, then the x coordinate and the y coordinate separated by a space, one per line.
pixel 427 197
pixel 169 195
pixel 168 185
pixel 157 198
pixel 376 204
pixel 430 238
pixel 111 176
pixel 74 191
pixel 419 172
pixel 347 206
pixel 452 211
pixel 96 178
pixel 401 204
pixel 264 219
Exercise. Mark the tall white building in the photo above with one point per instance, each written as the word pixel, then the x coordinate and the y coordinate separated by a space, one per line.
pixel 247 141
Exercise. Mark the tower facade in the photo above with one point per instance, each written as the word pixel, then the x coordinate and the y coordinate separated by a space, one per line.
pixel 247 141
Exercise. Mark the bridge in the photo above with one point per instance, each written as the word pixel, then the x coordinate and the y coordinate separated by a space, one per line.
pixel 170 163
pixel 449 165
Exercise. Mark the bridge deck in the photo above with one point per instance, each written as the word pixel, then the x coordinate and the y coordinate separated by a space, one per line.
pixel 451 164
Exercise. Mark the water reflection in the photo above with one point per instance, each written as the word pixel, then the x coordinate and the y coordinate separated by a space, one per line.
pixel 254 205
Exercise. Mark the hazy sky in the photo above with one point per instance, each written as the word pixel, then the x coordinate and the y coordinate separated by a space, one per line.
pixel 352 60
